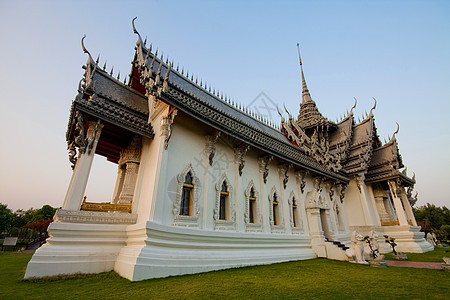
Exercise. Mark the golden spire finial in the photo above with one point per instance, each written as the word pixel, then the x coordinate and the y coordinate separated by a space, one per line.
pixel 305 92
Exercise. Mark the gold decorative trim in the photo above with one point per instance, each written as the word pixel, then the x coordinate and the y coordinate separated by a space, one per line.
pixel 390 223
pixel 105 207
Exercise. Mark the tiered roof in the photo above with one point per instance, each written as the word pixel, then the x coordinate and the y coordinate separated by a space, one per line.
pixel 347 146
pixel 335 150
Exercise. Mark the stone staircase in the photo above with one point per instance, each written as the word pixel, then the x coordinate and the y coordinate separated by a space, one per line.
pixel 336 250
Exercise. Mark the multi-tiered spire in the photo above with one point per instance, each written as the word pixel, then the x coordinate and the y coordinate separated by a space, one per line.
pixel 309 115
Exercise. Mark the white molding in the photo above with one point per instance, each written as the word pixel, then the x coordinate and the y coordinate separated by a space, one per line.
pixel 93 217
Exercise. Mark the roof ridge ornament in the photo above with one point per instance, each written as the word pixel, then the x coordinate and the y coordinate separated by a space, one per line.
pixel 354 106
pixel 85 50
pixel 374 106
pixel 139 41
pixel 289 114
pixel 398 128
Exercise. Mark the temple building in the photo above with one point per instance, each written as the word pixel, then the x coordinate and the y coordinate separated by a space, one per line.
pixel 293 191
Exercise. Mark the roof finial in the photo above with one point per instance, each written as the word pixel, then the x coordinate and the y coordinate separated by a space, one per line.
pixel 374 105
pixel 398 128
pixel 305 92
pixel 282 119
pixel 290 117
pixel 152 63
pixel 84 48
pixel 354 106
pixel 136 32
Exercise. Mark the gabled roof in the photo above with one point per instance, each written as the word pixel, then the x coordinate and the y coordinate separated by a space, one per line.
pixel 386 163
pixel 108 99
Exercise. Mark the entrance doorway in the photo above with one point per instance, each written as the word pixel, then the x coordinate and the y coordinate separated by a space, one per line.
pixel 325 226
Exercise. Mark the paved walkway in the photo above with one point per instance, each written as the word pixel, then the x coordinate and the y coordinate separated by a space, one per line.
pixel 414 264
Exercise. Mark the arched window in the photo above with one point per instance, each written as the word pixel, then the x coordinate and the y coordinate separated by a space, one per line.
pixel 252 205
pixel 276 217
pixel 224 209
pixel 185 206
pixel 224 194
pixel 252 215
pixel 275 209
pixel 294 212
pixel 186 196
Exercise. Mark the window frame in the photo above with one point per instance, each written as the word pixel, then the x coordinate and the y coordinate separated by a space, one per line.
pixel 276 217
pixel 190 220
pixel 229 223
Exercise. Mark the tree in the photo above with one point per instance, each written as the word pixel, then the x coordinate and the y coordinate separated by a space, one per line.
pixel 432 215
pixel 6 218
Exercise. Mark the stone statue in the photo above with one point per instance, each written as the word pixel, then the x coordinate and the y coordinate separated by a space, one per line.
pixel 434 238
pixel 357 250
pixel 431 239
pixel 375 245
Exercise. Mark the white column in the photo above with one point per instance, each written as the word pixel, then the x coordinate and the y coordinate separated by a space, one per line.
pixel 408 209
pixel 118 186
pixel 237 192
pixel 301 185
pixel 379 199
pixel 263 201
pixel 285 208
pixel 129 182
pixel 80 175
pixel 397 204
pixel 369 215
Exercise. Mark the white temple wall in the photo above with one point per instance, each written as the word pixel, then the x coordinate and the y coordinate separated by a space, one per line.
pixel 150 171
pixel 353 205
pixel 186 147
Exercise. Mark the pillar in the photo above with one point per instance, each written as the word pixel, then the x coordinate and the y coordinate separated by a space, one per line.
pixel 397 203
pixel 129 164
pixel 119 184
pixel 407 208
pixel 129 183
pixel 369 215
pixel 80 175
pixel 379 200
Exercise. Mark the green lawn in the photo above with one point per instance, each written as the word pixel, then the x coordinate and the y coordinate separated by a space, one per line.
pixel 318 278
pixel 432 256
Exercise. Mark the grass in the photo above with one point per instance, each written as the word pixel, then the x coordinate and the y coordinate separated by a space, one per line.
pixel 318 278
pixel 432 256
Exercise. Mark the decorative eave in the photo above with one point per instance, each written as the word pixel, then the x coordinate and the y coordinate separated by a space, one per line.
pixel 386 163
pixel 108 99
pixel 240 130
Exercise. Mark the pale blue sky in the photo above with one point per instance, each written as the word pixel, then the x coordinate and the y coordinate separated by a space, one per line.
pixel 395 51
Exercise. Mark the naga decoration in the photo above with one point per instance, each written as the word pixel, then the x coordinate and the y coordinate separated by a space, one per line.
pixel 72 154
pixel 301 176
pixel 239 155
pixel 80 138
pixel 211 141
pixel 264 163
